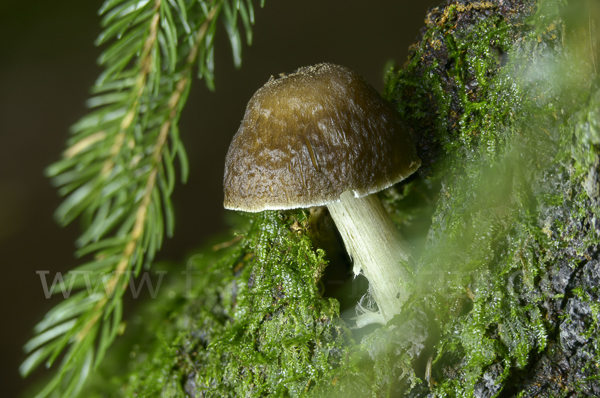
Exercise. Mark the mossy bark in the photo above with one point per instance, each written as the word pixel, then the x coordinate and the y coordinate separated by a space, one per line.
pixel 503 99
pixel 503 96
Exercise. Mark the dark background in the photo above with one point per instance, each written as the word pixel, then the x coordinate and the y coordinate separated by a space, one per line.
pixel 48 63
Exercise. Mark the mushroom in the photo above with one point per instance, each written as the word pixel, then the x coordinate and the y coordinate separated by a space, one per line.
pixel 323 136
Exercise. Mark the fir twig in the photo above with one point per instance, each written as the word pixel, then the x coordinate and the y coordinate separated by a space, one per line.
pixel 118 170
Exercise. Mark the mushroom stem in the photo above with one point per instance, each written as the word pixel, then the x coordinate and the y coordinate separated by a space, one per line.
pixel 377 250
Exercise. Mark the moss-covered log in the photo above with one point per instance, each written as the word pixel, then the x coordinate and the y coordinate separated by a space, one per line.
pixel 503 99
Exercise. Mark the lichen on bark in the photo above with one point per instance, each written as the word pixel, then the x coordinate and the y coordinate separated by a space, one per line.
pixel 503 99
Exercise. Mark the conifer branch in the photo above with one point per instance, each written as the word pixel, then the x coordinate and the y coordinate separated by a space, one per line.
pixel 118 169
pixel 140 84
pixel 158 150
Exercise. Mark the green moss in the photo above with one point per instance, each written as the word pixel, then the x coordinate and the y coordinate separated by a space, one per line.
pixel 253 323
pixel 510 143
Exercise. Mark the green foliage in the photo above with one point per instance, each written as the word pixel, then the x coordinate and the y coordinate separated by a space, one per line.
pixel 517 188
pixel 118 172
pixel 512 152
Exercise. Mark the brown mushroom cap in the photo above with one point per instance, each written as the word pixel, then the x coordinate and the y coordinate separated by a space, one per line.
pixel 309 136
